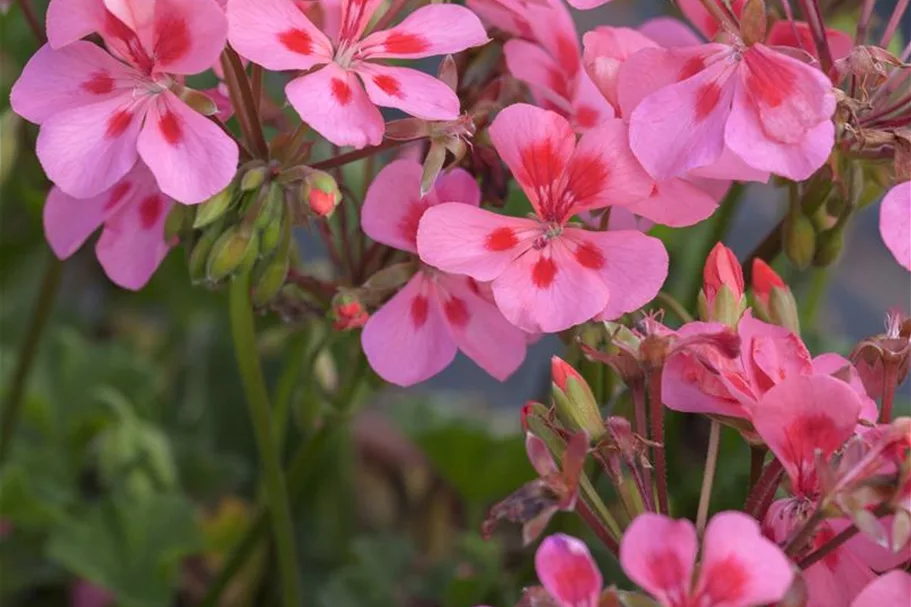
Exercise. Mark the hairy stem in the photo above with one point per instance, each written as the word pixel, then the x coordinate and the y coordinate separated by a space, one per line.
pixel 898 12
pixel 757 458
pixel 644 481
pixel 243 101
pixel 341 159
pixel 597 527
pixel 671 303
pixel 890 379
pixel 708 478
pixel 656 413
pixel 257 397
pixel 813 17
pixel 765 486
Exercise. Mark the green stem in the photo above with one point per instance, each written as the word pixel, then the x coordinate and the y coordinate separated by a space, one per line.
pixel 32 20
pixel 12 404
pixel 287 381
pixel 708 478
pixel 671 303
pixel 257 397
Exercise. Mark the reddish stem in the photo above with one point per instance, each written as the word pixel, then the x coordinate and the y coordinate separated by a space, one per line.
pixel 765 486
pixel 813 15
pixel 897 13
pixel 643 480
pixel 657 435
pixel 597 527
pixel 890 379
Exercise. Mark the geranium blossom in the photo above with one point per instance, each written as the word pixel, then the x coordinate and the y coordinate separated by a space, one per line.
pixel 895 223
pixel 100 112
pixel 893 588
pixel 567 571
pixel 415 335
pixel 132 212
pixel 546 275
pixel 277 35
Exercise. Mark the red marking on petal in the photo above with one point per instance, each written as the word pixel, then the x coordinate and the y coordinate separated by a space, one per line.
pixel 567 55
pixel 473 285
pixel 100 83
pixel 769 82
pixel 117 193
pixel 456 312
pixel 297 41
pixel 540 165
pixel 559 83
pixel 589 256
pixel 691 67
pixel 725 582
pixel 150 211
pixel 170 128
pixel 409 223
pixel 586 117
pixel 666 570
pixel 388 85
pixel 501 239
pixel 802 437
pixel 341 91
pixel 118 123
pixel 707 98
pixel 172 39
pixel 544 272
pixel 403 43
pixel 419 310
pixel 587 177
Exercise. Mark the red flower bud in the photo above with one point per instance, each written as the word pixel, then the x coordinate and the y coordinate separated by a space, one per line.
pixel 561 371
pixel 764 279
pixel 722 268
pixel 321 193
pixel 348 313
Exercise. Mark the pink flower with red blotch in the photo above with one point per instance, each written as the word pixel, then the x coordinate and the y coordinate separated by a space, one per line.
pixel 99 112
pixel 132 212
pixel 738 566
pixel 772 111
pixel 895 223
pixel 548 62
pixel 415 335
pixel 568 572
pixel 547 276
pixel 893 588
pixel 277 35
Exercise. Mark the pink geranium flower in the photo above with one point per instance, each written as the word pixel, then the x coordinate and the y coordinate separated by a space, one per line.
pixel 100 112
pixel 567 571
pixel 895 223
pixel 277 35
pixel 546 275
pixel 133 213
pixel 415 335
pixel 738 566
pixel 893 588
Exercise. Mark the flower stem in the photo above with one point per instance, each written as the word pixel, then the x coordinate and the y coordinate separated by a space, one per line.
pixel 12 403
pixel 336 161
pixel 670 302
pixel 32 20
pixel 644 482
pixel 242 329
pixel 890 379
pixel 813 16
pixel 656 413
pixel 711 462
pixel 597 527
pixel 243 101
pixel 764 487
pixel 836 542
pixel 805 533
pixel 757 457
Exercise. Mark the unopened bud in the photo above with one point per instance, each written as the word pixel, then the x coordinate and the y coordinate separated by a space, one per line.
pixel 200 102
pixel 829 247
pixel 268 282
pixel 783 309
pixel 230 251
pixel 199 256
pixel 321 193
pixel 347 312
pixel 272 208
pixel 799 240
pixel 574 399
pixel 433 164
pixel 178 220
pixel 214 208
pixel 254 178
pixel 727 308
pixel 753 22
pixel 764 279
pixel 721 298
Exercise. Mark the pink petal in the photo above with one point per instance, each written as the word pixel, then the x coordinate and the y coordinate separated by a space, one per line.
pixel 356 14
pixel 276 35
pixel 893 588
pixel 687 386
pixel 676 203
pixel 191 157
pixel 606 49
pixel 393 206
pixel 895 223
pixel 69 221
pixel 589 107
pixel 797 34
pixel 837 579
pixel 568 572
pixel 438 29
pixel 659 554
pixel 412 91
pixel 70 20
pixel 539 291
pixel 552 27
pixel 334 103
pixel 458 185
pixel 186 37
pixel 771 353
pixel 875 556
pixel 632 265
pixel 730 167
pixel 803 414
pixel 478 328
pixel 539 456
pixel 584 5
pixel 88 149
pixel 669 32
pixel 532 64
pixel 501 16
pixel 77 75
pixel 461 239
pixel 830 364
pixel 536 145
pixel 740 567
pixel 681 126
pixel 407 340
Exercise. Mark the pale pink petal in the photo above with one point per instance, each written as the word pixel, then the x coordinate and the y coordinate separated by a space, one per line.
pixel 603 171
pixel 412 91
pixel 606 49
pixel 687 386
pixel 893 588
pixel 895 223
pixel 462 239
pixel 88 149
pixel 186 37
pixel 478 328
pixel 632 265
pixel 438 29
pixel 837 579
pixel 70 20
pixel 659 555
pixel 589 107
pixel 730 167
pixel 532 64
pixel 875 556
pixel 771 353
pixel 69 221
pixel 702 19
pixel 536 145
pixel 539 456
pixel 407 340
pixel 669 32
pixel 552 27
pixel 539 292
pixel 585 5
pixel 501 16
pixel 681 126
pixel 191 157
pixel 56 81
pixel 276 35
pixel 355 15
pixel 393 206
pixel 740 567
pixel 675 203
pixel 458 185
pixel 797 34
pixel 801 415
pixel 568 572
pixel 835 364
pixel 334 103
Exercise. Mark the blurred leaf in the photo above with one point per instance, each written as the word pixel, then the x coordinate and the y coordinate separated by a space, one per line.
pixel 378 577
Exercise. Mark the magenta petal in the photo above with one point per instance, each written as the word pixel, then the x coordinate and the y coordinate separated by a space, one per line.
pixel 276 35
pixel 186 37
pixel 69 221
pixel 568 572
pixel 437 29
pixel 659 555
pixel 893 588
pixel 69 20
pixel 895 223
pixel 393 206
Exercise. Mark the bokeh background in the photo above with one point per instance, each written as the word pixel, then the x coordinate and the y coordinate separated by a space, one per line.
pixel 131 478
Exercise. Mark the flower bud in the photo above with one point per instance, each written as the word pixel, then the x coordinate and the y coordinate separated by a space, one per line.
pixel 753 22
pixel 269 281
pixel 214 208
pixel 799 237
pixel 177 221
pixel 321 193
pixel 433 164
pixel 783 310
pixel 230 252
pixel 722 298
pixel 764 280
pixel 574 399
pixel 829 247
pixel 773 298
pixel 200 102
pixel 347 312
pixel 253 178
pixel 199 256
